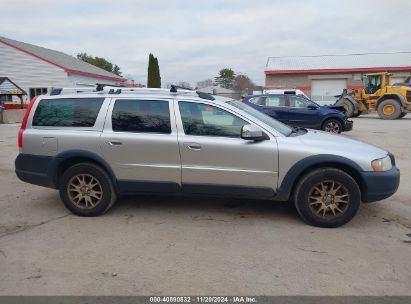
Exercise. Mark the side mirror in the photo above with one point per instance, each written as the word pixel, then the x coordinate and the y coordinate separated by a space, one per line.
pixel 312 107
pixel 250 132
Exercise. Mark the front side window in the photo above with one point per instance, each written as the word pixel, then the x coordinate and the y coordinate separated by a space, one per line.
pixel 148 116
pixel 297 102
pixel 273 123
pixel 206 120
pixel 67 112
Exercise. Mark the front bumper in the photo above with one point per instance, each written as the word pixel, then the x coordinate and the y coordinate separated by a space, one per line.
pixel 348 124
pixel 377 186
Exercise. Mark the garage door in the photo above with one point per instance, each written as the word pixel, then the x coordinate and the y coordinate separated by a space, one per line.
pixel 324 90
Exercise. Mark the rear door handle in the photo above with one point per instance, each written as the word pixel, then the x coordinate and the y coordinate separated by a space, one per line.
pixel 193 146
pixel 114 142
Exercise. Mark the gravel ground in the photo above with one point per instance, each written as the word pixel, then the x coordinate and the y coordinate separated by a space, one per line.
pixel 201 246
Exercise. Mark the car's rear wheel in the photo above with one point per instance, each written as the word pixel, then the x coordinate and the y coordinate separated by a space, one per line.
pixel 327 197
pixel 86 190
pixel 332 126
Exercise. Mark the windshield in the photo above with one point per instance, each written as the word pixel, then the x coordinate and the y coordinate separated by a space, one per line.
pixel 275 124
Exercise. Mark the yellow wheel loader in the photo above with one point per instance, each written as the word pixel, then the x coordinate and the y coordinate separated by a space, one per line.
pixel 390 101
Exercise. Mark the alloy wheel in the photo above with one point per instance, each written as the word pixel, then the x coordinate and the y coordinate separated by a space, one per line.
pixel 328 199
pixel 332 127
pixel 84 191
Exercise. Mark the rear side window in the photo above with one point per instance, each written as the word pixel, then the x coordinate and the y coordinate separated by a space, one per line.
pixel 148 116
pixel 67 112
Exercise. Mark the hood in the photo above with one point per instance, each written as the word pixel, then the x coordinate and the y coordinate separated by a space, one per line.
pixel 335 108
pixel 316 142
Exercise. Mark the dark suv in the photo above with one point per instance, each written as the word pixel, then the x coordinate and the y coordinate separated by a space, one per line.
pixel 299 111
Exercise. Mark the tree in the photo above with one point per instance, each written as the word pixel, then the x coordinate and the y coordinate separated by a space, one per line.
pixel 185 85
pixel 157 73
pixel 100 63
pixel 153 73
pixel 225 78
pixel 116 70
pixel 204 83
pixel 242 83
pixel 181 84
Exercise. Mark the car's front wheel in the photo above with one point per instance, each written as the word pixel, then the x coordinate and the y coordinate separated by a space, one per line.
pixel 327 197
pixel 332 126
pixel 86 190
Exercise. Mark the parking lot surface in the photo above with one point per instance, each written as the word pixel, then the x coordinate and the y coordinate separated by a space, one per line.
pixel 203 246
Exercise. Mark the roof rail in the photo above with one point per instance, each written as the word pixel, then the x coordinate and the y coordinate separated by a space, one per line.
pixel 59 91
pixel 113 89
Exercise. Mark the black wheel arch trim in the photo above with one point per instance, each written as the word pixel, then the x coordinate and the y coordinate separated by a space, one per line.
pixel 341 121
pixel 310 163
pixel 59 159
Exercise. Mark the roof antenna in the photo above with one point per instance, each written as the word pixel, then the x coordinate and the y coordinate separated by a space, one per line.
pixel 173 89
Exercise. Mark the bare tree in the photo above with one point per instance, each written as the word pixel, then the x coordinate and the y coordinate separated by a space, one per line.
pixel 242 83
pixel 185 84
pixel 167 85
pixel 182 84
pixel 204 83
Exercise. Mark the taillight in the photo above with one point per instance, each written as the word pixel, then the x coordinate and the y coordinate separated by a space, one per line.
pixel 24 123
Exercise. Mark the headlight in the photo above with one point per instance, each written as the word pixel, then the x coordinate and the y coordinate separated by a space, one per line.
pixel 381 164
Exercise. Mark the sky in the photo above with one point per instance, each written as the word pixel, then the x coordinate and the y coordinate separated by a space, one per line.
pixel 193 40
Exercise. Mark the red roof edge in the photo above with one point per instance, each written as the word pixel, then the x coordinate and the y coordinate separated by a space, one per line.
pixel 345 70
pixel 303 88
pixel 94 75
pixel 68 70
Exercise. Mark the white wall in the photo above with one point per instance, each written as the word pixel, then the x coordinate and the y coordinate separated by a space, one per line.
pixel 29 72
pixel 77 80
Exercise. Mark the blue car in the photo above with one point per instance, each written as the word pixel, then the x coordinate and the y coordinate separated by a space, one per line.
pixel 299 111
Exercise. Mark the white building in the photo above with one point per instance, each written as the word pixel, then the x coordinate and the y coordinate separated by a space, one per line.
pixel 220 91
pixel 37 69
pixel 323 77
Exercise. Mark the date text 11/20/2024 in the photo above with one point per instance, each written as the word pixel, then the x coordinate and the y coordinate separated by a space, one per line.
pixel 203 299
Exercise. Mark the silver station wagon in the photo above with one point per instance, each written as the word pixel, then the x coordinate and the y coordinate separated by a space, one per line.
pixel 96 144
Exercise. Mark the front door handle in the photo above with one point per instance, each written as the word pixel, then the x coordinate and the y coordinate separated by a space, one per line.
pixel 193 146
pixel 114 142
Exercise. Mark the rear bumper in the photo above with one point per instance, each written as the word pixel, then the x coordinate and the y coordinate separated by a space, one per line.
pixel 379 185
pixel 35 169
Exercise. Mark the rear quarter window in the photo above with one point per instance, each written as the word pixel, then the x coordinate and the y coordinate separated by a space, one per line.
pixel 67 112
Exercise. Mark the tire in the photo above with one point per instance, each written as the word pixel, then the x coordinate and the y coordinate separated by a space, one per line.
pixel 389 109
pixel 348 106
pixel 357 114
pixel 78 198
pixel 332 125
pixel 315 201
